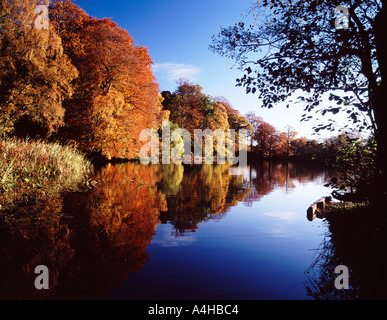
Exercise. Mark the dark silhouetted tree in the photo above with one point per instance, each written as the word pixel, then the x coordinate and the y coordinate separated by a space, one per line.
pixel 294 47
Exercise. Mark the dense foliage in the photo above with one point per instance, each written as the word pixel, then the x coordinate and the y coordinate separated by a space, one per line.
pixel 355 166
pixel 189 108
pixel 83 76
pixel 35 74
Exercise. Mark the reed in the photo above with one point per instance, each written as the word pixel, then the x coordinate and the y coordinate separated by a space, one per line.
pixel 31 170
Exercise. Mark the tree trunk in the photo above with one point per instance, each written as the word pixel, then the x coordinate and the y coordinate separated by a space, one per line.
pixel 378 101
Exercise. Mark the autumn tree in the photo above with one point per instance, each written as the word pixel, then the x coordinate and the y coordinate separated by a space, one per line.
pixel 294 47
pixel 236 121
pixel 222 116
pixel 191 109
pixel 35 73
pixel 126 100
pixel 283 145
pixel 264 138
pixel 290 136
pixel 255 122
pixel 186 105
pixel 116 95
pixel 218 120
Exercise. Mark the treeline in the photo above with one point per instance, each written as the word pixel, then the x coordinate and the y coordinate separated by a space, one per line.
pixel 188 107
pixel 268 142
pixel 84 81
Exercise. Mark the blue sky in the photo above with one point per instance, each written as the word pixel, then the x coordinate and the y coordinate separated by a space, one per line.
pixel 177 34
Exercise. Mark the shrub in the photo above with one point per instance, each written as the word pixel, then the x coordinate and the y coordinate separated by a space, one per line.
pixel 355 165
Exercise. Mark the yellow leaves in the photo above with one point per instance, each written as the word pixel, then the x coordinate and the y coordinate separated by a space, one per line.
pixel 38 75
pixel 220 118
pixel 107 106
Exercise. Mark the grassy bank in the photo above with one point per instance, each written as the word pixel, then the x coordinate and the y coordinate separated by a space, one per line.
pixel 34 170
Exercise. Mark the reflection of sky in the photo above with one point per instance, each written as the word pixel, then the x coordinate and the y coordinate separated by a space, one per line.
pixel 165 237
pixel 284 215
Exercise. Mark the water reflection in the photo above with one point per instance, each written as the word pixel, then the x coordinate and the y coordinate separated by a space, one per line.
pixel 267 176
pixel 202 193
pixel 361 249
pixel 91 241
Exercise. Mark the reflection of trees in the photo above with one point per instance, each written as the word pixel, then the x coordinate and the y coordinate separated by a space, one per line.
pixel 320 284
pixel 264 178
pixel 30 237
pixel 89 241
pixel 205 192
pixel 172 175
pixel 120 219
pixel 268 175
pixel 127 204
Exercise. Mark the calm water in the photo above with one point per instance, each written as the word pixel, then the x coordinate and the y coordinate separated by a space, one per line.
pixel 170 232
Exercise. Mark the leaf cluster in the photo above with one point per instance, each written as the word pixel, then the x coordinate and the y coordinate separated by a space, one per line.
pixel 355 166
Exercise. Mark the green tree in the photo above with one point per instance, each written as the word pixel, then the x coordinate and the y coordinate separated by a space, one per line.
pixel 355 166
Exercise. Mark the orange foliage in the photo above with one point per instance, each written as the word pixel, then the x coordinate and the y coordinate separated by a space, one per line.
pixel 267 141
pixel 116 94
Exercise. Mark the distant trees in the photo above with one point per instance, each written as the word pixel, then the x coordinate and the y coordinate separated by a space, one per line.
pixel 267 141
pixel 190 108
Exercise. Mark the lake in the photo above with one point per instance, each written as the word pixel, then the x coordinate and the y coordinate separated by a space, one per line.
pixel 170 232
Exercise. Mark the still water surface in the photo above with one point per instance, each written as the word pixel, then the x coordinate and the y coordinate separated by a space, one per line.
pixel 170 232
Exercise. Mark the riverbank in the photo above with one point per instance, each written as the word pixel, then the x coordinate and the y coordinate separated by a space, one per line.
pixel 353 220
pixel 357 237
pixel 35 170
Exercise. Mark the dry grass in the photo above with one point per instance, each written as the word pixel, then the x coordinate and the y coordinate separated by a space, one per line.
pixel 31 170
